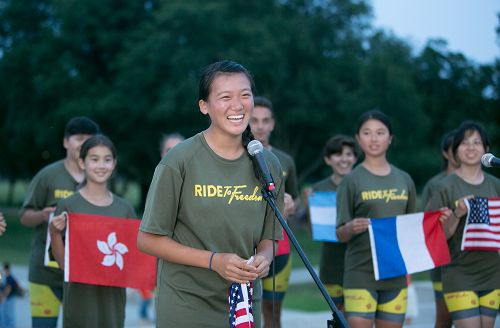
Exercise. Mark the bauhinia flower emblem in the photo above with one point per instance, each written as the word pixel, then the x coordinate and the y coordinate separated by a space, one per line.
pixel 113 251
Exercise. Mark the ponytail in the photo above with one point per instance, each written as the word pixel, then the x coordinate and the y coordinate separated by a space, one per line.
pixel 247 136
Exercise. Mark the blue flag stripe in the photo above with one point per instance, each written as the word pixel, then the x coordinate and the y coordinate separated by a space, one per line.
pixel 389 258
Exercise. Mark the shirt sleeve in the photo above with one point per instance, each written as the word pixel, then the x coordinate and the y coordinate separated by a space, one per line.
pixel 162 201
pixel 345 201
pixel 36 194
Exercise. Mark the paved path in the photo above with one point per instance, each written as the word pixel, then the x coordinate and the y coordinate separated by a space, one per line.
pixel 290 318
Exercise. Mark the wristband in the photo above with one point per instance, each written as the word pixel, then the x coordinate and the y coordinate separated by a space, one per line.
pixel 210 263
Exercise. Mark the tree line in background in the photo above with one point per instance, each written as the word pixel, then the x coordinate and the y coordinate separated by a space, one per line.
pixel 133 66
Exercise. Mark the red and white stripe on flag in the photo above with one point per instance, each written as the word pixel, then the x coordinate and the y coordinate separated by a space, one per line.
pixel 101 250
pixel 482 227
pixel 240 305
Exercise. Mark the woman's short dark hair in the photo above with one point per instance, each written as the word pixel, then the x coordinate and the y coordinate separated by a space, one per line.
pixel 462 132
pixel 335 144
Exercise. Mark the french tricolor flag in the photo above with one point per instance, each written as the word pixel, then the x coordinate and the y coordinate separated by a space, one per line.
pixel 407 244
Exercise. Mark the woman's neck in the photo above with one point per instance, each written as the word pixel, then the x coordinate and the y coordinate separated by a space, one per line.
pixel 228 147
pixel 377 165
pixel 97 194
pixel 471 174
pixel 336 179
pixel 74 169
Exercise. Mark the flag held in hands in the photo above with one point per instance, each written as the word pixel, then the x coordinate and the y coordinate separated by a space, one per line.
pixel 407 244
pixel 240 306
pixel 482 225
pixel 101 250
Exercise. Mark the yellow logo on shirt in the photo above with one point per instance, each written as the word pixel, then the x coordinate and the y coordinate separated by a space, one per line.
pixel 384 194
pixel 62 193
pixel 229 192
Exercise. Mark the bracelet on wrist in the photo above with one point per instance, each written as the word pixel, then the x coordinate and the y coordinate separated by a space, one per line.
pixel 210 263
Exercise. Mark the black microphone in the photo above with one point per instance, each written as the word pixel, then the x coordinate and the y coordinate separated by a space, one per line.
pixel 489 160
pixel 256 150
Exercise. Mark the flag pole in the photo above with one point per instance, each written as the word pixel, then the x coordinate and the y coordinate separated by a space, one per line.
pixel 338 320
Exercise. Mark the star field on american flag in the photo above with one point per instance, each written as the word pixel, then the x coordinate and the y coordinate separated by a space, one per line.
pixel 482 228
pixel 240 306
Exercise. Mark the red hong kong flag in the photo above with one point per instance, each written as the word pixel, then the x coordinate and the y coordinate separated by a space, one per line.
pixel 101 250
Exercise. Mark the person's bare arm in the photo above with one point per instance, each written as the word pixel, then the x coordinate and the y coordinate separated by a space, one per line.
pixel 228 265
pixel 56 227
pixel 32 218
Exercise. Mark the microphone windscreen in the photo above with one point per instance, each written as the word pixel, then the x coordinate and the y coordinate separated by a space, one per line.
pixel 486 159
pixel 254 147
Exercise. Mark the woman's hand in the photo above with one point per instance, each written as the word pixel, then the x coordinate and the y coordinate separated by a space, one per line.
pixel 446 213
pixel 289 206
pixel 358 225
pixel 460 207
pixel 233 268
pixel 58 223
pixel 261 264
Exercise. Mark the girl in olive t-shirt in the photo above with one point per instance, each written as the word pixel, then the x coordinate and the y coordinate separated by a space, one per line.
pixel 374 189
pixel 471 282
pixel 86 305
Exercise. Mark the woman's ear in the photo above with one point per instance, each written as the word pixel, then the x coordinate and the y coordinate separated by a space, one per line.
pixel 81 164
pixel 203 106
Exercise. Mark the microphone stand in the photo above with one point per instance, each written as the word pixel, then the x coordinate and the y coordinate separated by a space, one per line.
pixel 338 320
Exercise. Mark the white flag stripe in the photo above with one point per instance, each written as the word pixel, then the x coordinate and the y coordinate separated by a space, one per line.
pixel 494 211
pixel 483 235
pixel 411 240
pixel 492 244
pixel 474 226
pixel 374 253
pixel 494 203
pixel 323 215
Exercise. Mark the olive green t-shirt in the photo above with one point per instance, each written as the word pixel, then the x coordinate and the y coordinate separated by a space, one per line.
pixel 204 201
pixel 289 172
pixel 50 185
pixel 362 194
pixel 89 306
pixel 429 189
pixel 475 270
pixel 331 268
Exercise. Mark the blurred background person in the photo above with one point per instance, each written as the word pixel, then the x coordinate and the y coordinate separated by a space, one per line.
pixel 340 153
pixel 54 182
pixel 443 318
pixel 262 124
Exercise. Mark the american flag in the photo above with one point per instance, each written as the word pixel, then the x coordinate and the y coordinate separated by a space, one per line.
pixel 482 228
pixel 240 306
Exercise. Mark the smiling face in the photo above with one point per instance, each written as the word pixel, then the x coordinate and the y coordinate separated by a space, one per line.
pixel 341 163
pixel 98 164
pixel 374 138
pixel 229 103
pixel 262 124
pixel 471 149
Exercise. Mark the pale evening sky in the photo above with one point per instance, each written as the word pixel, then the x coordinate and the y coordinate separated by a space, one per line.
pixel 467 25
